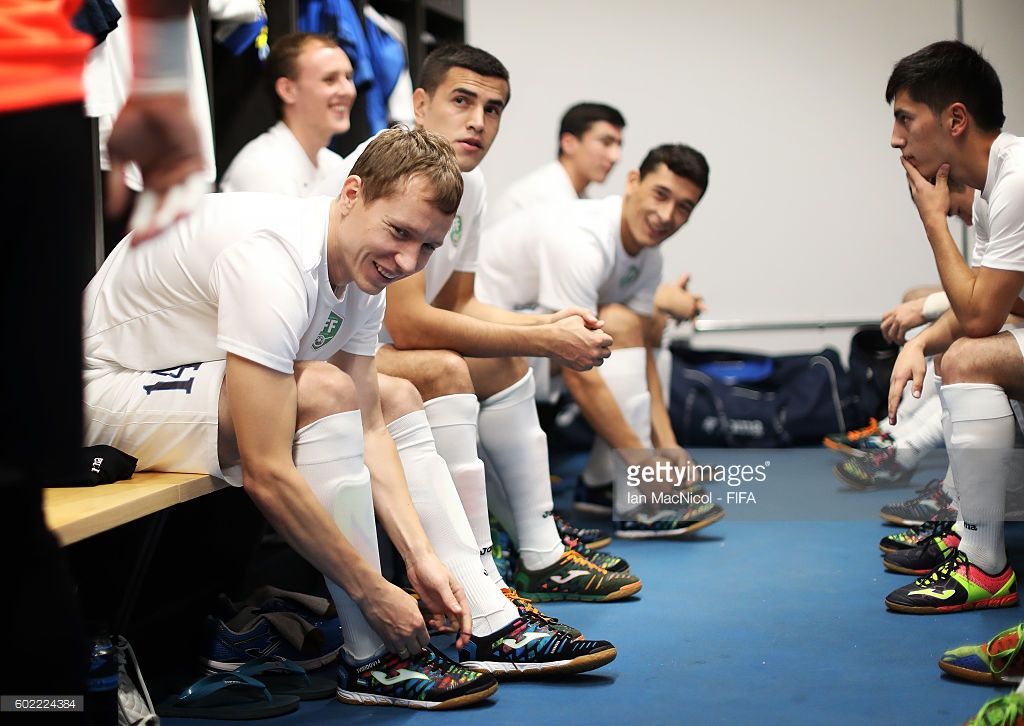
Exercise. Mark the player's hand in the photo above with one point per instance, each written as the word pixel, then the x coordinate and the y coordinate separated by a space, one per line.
pixel 910 366
pixel 574 344
pixel 932 200
pixel 442 596
pixel 589 319
pixel 676 301
pixel 395 617
pixel 157 133
pixel 901 319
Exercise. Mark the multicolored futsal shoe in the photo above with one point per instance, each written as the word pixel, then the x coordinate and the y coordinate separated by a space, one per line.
pixel 925 556
pixel 574 577
pixel 996 662
pixel 930 500
pixel 503 551
pixel 915 535
pixel 954 586
pixel 522 649
pixel 670 523
pixel 608 561
pixel 594 499
pixel 858 442
pixel 876 470
pixel 592 537
pixel 1006 710
pixel 427 680
pixel 528 611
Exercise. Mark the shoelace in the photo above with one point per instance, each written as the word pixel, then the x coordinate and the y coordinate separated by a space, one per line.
pixel 576 558
pixel 1002 710
pixel 1008 653
pixel 943 572
pixel 858 434
pixel 527 607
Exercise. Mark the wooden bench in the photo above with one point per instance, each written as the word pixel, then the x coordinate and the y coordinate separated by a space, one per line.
pixel 75 513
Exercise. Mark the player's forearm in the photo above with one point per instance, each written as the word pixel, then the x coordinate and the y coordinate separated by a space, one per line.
pixel 288 503
pixel 958 280
pixel 599 408
pixel 490 313
pixel 662 434
pixel 391 502
pixel 938 336
pixel 435 328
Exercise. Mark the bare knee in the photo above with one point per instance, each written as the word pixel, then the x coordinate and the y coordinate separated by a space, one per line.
pixel 398 397
pixel 444 373
pixel 323 390
pixel 960 362
pixel 624 325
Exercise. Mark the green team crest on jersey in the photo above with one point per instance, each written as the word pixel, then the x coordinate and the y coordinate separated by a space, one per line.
pixel 331 328
pixel 631 274
pixel 455 235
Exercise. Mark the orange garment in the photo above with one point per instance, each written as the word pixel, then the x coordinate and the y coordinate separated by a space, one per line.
pixel 41 55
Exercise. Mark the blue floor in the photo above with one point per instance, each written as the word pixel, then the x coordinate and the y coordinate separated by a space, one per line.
pixel 773 615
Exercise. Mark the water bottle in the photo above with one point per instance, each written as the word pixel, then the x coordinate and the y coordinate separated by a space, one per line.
pixel 101 682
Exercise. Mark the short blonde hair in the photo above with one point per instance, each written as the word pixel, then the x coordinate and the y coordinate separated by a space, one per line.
pixel 398 154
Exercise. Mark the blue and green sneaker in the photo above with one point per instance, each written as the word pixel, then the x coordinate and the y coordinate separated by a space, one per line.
pixel 996 662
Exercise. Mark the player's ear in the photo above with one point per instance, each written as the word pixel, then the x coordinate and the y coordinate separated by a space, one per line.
pixel 568 143
pixel 420 101
pixel 285 89
pixel 350 191
pixel 632 180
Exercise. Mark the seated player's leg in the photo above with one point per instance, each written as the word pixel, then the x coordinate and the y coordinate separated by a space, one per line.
pixel 543 645
pixel 516 450
pixel 977 374
pixel 451 407
pixel 437 503
pixel 625 374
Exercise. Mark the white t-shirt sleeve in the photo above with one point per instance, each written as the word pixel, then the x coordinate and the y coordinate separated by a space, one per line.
pixel 364 341
pixel 470 249
pixel 979 213
pixel 1005 248
pixel 571 270
pixel 262 302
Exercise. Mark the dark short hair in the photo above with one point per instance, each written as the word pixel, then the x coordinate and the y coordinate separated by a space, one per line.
pixel 681 160
pixel 440 60
pixel 946 72
pixel 282 60
pixel 578 119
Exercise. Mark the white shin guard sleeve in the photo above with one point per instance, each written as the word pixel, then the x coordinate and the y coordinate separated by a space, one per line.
pixel 437 503
pixel 625 374
pixel 329 455
pixel 452 421
pixel 515 444
pixel 981 439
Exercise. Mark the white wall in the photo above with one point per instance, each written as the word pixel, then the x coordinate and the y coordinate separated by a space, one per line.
pixel 807 216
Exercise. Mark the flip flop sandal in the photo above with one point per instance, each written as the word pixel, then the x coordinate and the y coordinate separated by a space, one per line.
pixel 227 696
pixel 287 678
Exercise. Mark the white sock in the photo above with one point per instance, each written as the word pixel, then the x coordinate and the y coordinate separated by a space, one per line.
pixel 453 422
pixel 625 374
pixel 329 455
pixel 981 426
pixel 444 520
pixel 663 362
pixel 511 435
pixel 921 434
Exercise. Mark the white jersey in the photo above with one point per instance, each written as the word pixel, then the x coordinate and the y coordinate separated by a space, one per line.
pixel 461 246
pixel 243 274
pixel 571 254
pixel 999 209
pixel 275 162
pixel 550 184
